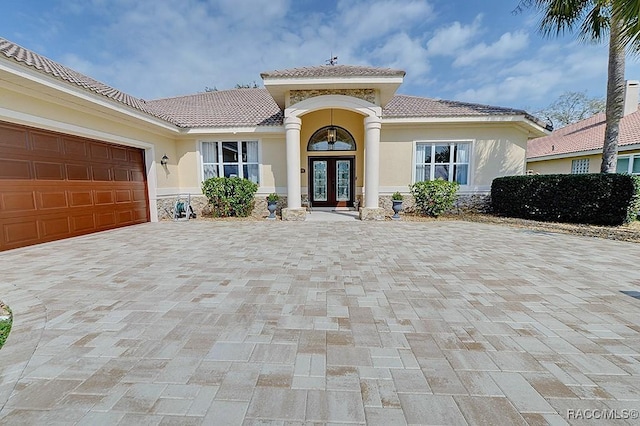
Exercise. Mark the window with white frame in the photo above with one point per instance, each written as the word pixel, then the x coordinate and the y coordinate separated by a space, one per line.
pixel 445 160
pixel 629 164
pixel 231 159
pixel 580 166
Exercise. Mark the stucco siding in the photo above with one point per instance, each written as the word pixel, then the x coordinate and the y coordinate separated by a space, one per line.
pixel 496 151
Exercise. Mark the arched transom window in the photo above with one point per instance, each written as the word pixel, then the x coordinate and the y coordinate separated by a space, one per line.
pixel 331 138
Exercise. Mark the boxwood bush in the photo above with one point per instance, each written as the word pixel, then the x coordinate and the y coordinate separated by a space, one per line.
pixel 598 199
pixel 230 196
pixel 434 197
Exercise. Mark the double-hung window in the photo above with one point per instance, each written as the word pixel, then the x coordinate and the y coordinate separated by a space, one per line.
pixel 231 159
pixel 629 164
pixel 444 160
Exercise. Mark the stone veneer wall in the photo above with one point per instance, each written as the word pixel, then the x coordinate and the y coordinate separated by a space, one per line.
pixel 296 96
pixel 466 203
pixel 199 203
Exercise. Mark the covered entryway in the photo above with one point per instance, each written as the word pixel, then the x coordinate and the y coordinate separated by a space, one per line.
pixel 331 181
pixel 55 186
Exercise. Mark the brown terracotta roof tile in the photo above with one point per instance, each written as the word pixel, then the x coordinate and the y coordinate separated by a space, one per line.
pixel 324 71
pixel 45 65
pixel 585 135
pixel 225 108
pixel 412 106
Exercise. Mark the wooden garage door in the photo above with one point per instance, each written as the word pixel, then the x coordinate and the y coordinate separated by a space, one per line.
pixel 54 186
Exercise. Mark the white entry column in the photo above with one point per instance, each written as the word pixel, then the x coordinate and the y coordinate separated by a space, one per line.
pixel 294 209
pixel 372 127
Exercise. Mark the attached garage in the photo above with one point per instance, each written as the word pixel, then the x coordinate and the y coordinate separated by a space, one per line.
pixel 55 186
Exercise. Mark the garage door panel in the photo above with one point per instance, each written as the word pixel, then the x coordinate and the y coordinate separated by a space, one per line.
pixel 125 217
pixel 106 219
pixel 104 197
pixel 53 200
pixel 123 196
pixel 54 226
pixel 75 149
pixel 99 151
pixel 20 231
pixel 80 198
pixel 121 175
pixel 101 173
pixel 118 154
pixel 18 202
pixel 49 171
pixel 14 138
pixel 55 186
pixel 15 169
pixel 81 223
pixel 46 144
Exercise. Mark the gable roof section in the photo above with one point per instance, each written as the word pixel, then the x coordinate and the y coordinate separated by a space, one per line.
pixel 584 136
pixel 45 65
pixel 225 108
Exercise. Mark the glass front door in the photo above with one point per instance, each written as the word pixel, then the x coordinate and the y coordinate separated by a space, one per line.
pixel 332 182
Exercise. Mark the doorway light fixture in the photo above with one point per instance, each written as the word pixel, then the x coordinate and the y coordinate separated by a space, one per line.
pixel 332 133
pixel 164 160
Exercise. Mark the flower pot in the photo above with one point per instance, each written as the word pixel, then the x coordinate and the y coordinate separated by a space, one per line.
pixel 272 206
pixel 397 207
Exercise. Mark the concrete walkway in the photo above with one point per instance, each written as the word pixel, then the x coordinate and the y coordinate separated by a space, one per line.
pixel 348 322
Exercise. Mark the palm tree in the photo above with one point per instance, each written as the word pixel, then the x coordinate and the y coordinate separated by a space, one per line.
pixel 596 19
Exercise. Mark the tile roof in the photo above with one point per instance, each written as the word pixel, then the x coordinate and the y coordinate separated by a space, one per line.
pixel 224 108
pixel 413 106
pixel 45 65
pixel 323 71
pixel 246 107
pixel 585 135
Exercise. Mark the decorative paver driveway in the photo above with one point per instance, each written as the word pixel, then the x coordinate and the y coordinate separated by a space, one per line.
pixel 346 322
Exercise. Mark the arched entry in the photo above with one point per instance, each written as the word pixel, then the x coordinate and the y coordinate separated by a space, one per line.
pixel 331 177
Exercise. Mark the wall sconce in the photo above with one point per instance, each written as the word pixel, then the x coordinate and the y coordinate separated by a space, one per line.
pixel 164 160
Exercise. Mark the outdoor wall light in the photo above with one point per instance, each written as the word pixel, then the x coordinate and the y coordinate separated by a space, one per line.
pixel 164 160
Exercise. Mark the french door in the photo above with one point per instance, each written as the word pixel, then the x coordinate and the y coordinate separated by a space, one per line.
pixel 332 181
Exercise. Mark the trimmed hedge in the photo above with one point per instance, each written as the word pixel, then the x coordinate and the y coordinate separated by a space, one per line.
pixel 434 197
pixel 598 199
pixel 230 196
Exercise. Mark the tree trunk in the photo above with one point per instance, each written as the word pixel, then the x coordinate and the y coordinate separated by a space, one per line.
pixel 615 98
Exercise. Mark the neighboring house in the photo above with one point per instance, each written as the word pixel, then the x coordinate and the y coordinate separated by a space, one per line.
pixel 577 148
pixel 77 156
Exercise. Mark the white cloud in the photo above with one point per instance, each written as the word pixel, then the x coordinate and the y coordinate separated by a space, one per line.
pixel 450 39
pixel 506 47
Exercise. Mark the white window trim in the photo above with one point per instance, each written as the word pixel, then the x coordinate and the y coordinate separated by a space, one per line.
pixel 632 158
pixel 471 142
pixel 220 163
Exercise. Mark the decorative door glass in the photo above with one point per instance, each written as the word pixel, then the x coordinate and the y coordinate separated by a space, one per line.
pixel 343 181
pixel 319 181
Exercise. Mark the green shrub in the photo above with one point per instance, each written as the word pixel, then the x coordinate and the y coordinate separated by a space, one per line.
pixel 434 197
pixel 599 199
pixel 230 196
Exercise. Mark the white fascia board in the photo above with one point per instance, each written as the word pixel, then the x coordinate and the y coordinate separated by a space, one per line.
pixel 519 119
pixel 25 72
pixel 233 130
pixel 621 149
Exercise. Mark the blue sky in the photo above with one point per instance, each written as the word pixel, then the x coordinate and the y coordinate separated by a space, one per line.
pixel 473 50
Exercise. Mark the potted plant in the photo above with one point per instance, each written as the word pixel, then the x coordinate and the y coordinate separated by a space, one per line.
pixel 272 204
pixel 396 199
